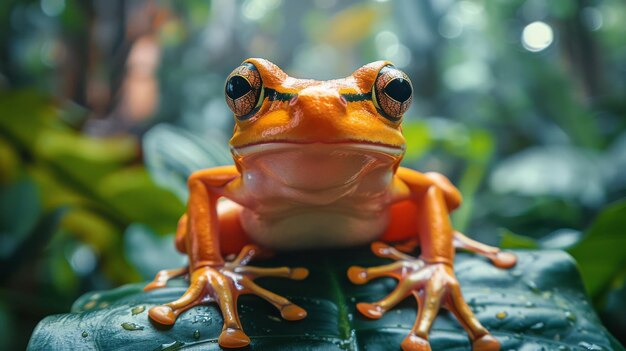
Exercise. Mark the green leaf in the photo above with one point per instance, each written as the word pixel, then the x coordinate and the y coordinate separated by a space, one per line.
pixel 539 304
pixel 19 211
pixel 418 140
pixel 555 171
pixel 7 331
pixel 9 162
pixel 149 252
pixel 511 240
pixel 614 310
pixel 33 243
pixel 171 154
pixel 131 192
pixel 24 115
pixel 600 253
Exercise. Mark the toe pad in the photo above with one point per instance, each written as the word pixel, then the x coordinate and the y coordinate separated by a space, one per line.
pixel 233 338
pixel 162 315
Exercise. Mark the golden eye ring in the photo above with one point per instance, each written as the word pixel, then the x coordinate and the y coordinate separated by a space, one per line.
pixel 243 91
pixel 392 93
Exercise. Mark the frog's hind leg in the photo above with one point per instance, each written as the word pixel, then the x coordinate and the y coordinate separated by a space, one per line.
pixel 234 237
pixel 498 258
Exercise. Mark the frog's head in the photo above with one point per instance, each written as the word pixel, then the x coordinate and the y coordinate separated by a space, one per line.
pixel 363 110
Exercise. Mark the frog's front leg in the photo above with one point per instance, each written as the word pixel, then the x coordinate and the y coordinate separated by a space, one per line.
pixel 211 277
pixel 433 285
pixel 429 278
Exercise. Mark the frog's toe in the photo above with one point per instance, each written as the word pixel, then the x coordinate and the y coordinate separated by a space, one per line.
pixel 504 259
pixel 293 312
pixel 299 273
pixel 415 343
pixel 162 314
pixel 481 339
pixel 166 314
pixel 486 343
pixel 370 310
pixel 233 338
pixel 360 275
pixel 495 255
pixel 161 279
pixel 383 250
pixel 288 310
pixel 357 275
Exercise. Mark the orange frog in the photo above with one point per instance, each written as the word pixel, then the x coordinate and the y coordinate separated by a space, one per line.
pixel 317 165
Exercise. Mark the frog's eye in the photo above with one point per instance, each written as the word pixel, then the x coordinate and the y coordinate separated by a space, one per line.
pixel 392 93
pixel 243 90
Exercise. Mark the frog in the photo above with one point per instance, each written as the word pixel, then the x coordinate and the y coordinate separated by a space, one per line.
pixel 317 165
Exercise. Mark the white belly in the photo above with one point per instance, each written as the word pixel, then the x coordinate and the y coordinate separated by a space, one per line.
pixel 316 196
pixel 313 229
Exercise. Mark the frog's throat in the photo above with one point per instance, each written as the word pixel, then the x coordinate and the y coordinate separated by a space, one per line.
pixel 273 146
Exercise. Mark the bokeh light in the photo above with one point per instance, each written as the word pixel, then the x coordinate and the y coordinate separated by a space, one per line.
pixel 537 36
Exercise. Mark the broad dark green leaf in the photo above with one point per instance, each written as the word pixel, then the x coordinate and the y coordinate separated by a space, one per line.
pixel 601 252
pixel 538 305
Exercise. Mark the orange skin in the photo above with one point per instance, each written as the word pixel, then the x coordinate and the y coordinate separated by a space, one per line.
pixel 312 153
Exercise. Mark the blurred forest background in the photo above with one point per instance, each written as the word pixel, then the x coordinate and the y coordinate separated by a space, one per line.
pixel 107 105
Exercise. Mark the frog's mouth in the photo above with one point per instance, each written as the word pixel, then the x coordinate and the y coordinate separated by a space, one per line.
pixel 280 145
pixel 323 168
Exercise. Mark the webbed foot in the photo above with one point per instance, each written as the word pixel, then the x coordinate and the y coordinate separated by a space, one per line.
pixel 224 285
pixel 433 285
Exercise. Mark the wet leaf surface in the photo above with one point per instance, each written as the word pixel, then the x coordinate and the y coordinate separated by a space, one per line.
pixel 539 304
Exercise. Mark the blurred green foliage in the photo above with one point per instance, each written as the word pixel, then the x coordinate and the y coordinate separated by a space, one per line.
pixel 521 103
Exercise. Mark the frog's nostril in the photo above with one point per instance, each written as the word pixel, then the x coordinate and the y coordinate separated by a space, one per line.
pixel 293 100
pixel 343 100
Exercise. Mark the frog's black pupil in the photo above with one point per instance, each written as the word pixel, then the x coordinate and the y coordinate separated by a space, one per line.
pixel 237 86
pixel 399 89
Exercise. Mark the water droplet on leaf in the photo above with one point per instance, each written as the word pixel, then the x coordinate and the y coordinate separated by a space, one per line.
pixel 172 346
pixel 570 316
pixel 589 346
pixel 138 310
pixel 537 326
pixel 274 318
pixel 131 326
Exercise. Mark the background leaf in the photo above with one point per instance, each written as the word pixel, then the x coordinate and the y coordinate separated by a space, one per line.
pixel 150 252
pixel 172 154
pixel 600 253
